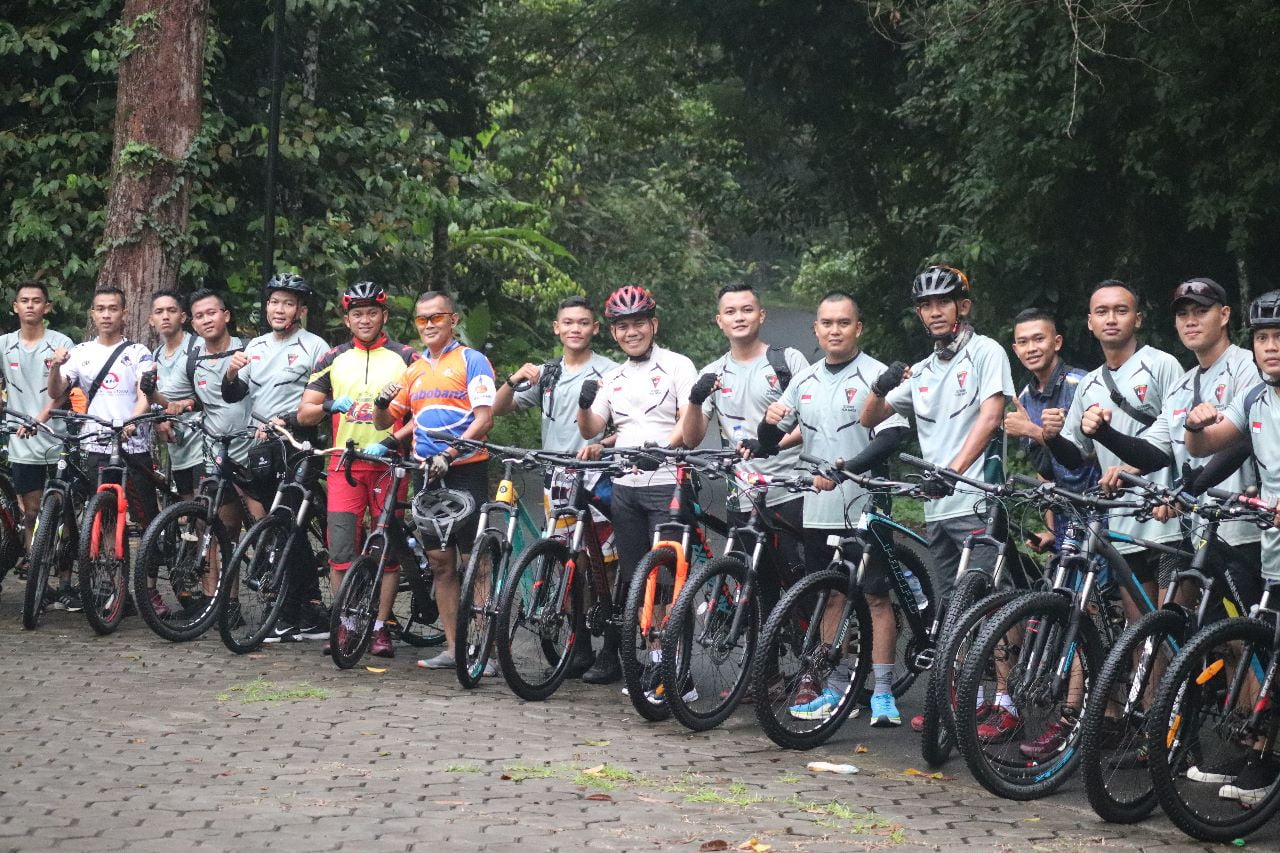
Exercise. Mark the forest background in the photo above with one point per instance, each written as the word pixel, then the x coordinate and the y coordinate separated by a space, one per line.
pixel 518 151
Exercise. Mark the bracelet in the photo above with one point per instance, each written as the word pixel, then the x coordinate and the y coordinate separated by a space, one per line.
pixel 1192 429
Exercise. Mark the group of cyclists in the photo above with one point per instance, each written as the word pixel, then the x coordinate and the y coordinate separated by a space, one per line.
pixel 1139 412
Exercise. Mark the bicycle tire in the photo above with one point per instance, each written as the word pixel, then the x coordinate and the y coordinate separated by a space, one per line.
pixel 473 636
pixel 170 548
pixel 1185 695
pixel 1099 767
pixel 258 575
pixel 788 633
pixel 715 701
pixel 47 541
pixel 104 584
pixel 544 567
pixel 1009 773
pixel 357 600
pixel 11 542
pixel 938 736
pixel 644 675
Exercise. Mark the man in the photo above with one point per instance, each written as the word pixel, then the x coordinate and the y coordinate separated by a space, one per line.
pixel 168 319
pixel 449 389
pixel 821 410
pixel 109 371
pixel 24 374
pixel 554 388
pixel 271 374
pixel 957 396
pixel 1038 345
pixel 1222 373
pixel 346 381
pixel 1253 417
pixel 643 397
pixel 733 392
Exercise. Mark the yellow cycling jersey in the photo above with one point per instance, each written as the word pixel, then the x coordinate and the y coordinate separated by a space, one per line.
pixel 360 371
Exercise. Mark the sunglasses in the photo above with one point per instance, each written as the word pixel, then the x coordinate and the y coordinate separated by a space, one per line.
pixel 433 320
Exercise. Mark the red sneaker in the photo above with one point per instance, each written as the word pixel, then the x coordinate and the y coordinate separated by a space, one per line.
pixel 381 646
pixel 1048 744
pixel 158 607
pixel 807 689
pixel 999 726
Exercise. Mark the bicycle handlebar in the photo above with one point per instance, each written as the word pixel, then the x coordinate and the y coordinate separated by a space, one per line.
pixel 998 489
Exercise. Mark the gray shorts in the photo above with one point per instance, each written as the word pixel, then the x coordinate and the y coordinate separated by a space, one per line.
pixel 946 541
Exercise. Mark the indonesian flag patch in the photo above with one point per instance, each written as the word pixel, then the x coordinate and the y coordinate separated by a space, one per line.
pixel 1256 426
pixel 804 398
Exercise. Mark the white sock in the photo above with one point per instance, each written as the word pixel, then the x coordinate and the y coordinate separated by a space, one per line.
pixel 377 624
pixel 884 677
pixel 981 698
pixel 1004 700
pixel 655 655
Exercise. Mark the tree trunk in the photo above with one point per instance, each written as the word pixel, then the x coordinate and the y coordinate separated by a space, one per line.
pixel 159 101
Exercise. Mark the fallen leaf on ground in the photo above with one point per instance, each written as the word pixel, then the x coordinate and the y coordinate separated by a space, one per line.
pixel 718 844
pixel 860 749
pixel 256 657
pixel 603 797
pixel 755 845
pixel 1030 819
pixel 376 669
pixel 137 740
pixel 505 777
pixel 596 742
pixel 383 754
pixel 911 771
pixel 594 771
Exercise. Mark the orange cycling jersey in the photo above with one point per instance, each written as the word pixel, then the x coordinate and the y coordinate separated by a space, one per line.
pixel 442 395
pixel 360 371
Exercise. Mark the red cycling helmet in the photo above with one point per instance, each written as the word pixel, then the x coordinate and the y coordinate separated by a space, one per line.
pixel 630 301
pixel 363 293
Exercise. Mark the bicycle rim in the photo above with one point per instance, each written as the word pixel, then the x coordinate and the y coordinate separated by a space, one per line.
pixel 258 586
pixel 476 609
pixel 103 565
pixel 536 621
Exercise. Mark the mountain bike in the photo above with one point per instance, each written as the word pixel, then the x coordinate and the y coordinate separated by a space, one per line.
pixel 105 524
pixel 678 544
pixel 542 614
pixel 185 550
pixel 1114 745
pixel 12 526
pixel 819 636
pixel 711 633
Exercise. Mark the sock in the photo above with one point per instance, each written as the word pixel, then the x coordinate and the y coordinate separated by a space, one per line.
pixel 1004 700
pixel 981 698
pixel 884 677
pixel 377 624
pixel 655 655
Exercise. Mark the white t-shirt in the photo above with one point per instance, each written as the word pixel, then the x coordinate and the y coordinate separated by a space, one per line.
pixel 117 397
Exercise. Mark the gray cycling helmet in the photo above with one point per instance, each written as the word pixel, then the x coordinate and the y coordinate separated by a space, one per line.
pixel 939 280
pixel 1264 312
pixel 291 282
pixel 437 511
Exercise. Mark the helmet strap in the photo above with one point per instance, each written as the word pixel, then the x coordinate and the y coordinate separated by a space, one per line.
pixel 643 356
pixel 1274 383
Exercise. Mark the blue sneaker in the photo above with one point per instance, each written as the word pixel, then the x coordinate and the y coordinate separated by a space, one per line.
pixel 822 707
pixel 884 711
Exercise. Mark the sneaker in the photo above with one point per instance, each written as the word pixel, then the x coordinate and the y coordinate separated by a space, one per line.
pixel 158 607
pixel 1254 782
pixel 490 670
pixel 1221 773
pixel 658 694
pixel 605 670
pixel 381 646
pixel 444 660
pixel 884 711
pixel 319 631
pixel 581 662
pixel 808 688
pixel 193 605
pixel 999 727
pixel 820 708
pixel 69 600
pixel 49 601
pixel 283 634
pixel 1048 744
pixel 342 641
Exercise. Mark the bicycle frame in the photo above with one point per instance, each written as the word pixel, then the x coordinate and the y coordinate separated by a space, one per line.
pixel 584 532
pixel 679 545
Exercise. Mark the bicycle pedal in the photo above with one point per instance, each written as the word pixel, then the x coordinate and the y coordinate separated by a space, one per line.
pixel 925 658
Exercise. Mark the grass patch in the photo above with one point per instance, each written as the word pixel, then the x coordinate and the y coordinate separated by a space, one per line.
pixel 836 815
pixel 521 772
pixel 735 795
pixel 789 779
pixel 261 690
pixel 605 777
pixel 461 768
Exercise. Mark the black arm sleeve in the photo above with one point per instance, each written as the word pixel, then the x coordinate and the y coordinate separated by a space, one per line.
pixel 769 435
pixel 234 390
pixel 1143 455
pixel 880 448
pixel 1219 467
pixel 1065 452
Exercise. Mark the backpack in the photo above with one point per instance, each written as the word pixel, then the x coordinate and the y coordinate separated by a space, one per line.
pixel 778 361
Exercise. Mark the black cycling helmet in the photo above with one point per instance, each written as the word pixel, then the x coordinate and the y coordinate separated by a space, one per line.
pixel 630 301
pixel 1264 312
pixel 290 282
pixel 436 511
pixel 939 280
pixel 363 293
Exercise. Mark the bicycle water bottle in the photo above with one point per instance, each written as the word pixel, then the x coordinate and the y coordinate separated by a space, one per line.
pixel 913 583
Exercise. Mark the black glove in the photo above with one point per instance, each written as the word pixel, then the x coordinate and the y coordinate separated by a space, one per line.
pixel 935 488
pixel 148 382
pixel 702 389
pixel 756 449
pixel 587 395
pixel 890 379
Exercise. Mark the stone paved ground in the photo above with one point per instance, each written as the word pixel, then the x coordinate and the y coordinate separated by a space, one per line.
pixel 127 742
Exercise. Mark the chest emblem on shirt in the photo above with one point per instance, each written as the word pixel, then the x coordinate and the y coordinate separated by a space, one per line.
pixel 849 394
pixel 961 378
pixel 773 381
pixel 1140 391
pixel 804 398
pixel 656 380
pixel 110 382
pixel 1220 392
pixel 293 356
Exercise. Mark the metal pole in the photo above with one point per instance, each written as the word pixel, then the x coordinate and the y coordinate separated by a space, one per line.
pixel 273 151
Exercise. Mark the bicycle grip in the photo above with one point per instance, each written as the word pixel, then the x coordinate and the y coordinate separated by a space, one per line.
pixel 348 457
pixel 813 460
pixel 1134 480
pixel 1024 480
pixel 914 460
pixel 1221 494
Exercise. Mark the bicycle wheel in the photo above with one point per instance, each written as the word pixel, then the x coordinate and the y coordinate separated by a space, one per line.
pixel 354 610
pixel 537 619
pixel 1114 746
pixel 805 687
pixel 48 547
pixel 909 643
pixel 416 616
pixel 701 646
pixel 1029 751
pixel 175 557
pixel 938 736
pixel 1201 719
pixel 11 542
pixel 257 585
pixel 477 607
pixel 649 596
pixel 104 562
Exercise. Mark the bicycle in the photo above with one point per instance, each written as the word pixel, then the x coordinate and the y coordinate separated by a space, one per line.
pixel 713 627
pixel 792 655
pixel 661 573
pixel 12 526
pixel 1114 744
pixel 1044 650
pixel 105 525
pixel 258 574
pixel 1215 717
pixel 186 548
pixel 541 611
